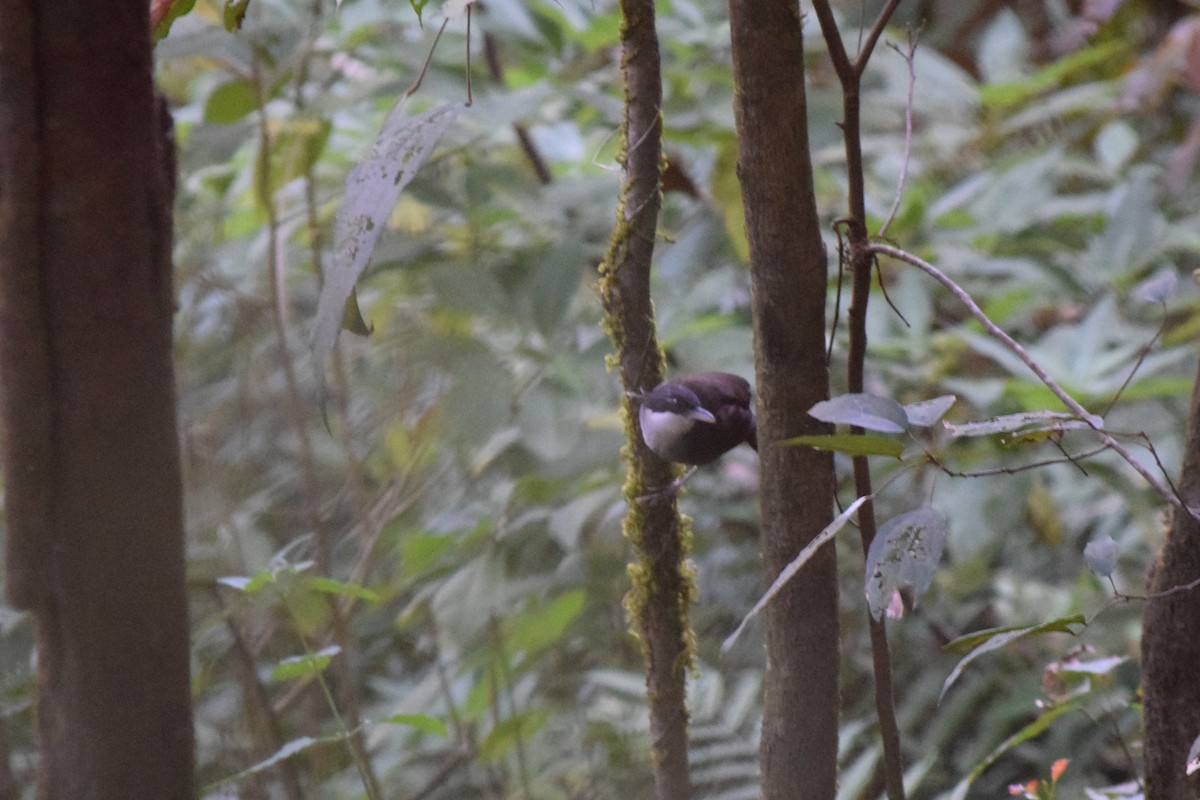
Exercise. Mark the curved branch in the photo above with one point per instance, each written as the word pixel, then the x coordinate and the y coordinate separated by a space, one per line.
pixel 1093 421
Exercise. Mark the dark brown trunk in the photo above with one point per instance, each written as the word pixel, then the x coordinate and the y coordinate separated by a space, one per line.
pixel 1171 640
pixel 95 533
pixel 788 269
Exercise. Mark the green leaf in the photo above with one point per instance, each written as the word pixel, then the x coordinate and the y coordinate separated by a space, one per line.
pixel 553 284
pixel 1002 96
pixel 230 102
pixel 417 6
pixel 352 316
pixel 331 586
pixel 542 626
pixel 905 552
pixel 290 749
pixel 249 585
pixel 989 641
pixel 296 146
pixel 1030 731
pixel 177 9
pixel 305 665
pixel 850 444
pixel 421 722
pixel 420 550
pixel 509 732
pixel 862 410
pixel 235 14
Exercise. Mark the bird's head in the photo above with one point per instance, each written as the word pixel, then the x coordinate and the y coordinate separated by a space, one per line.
pixel 668 413
pixel 676 400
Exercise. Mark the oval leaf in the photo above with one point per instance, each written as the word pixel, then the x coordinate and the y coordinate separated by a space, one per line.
pixel 905 552
pixel 1101 556
pixel 863 411
pixel 230 102
pixel 927 412
pixel 305 665
pixel 1159 288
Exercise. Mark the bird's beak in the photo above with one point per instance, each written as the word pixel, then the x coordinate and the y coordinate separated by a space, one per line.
pixel 701 415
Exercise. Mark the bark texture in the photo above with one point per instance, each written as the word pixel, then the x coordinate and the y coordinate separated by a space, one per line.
pixel 95 530
pixel 662 587
pixel 1171 640
pixel 788 268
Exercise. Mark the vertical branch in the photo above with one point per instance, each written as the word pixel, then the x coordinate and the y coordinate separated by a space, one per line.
pixel 862 263
pixel 789 274
pixel 661 591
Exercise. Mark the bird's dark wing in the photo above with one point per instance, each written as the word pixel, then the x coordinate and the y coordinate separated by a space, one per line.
pixel 717 389
pixel 727 397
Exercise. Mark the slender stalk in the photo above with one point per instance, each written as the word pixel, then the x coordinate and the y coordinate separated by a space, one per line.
pixel 861 269
pixel 659 598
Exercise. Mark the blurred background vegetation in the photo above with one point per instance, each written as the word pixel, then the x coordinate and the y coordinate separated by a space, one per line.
pixel 424 596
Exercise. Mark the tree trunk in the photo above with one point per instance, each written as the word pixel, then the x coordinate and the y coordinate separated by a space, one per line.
pixel 662 585
pixel 1171 639
pixel 788 270
pixel 95 529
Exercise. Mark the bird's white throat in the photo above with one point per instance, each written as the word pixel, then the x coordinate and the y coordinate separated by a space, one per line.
pixel 662 429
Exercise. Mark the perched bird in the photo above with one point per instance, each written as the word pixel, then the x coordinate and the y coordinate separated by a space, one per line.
pixel 695 419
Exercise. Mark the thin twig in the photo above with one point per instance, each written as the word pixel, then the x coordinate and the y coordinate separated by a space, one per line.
pixel 908 127
pixel 469 98
pixel 1067 456
pixel 425 67
pixel 881 21
pixel 888 299
pixel 837 300
pixel 1142 353
pixel 985 473
pixel 861 269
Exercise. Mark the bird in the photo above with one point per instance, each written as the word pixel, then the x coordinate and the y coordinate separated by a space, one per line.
pixel 695 419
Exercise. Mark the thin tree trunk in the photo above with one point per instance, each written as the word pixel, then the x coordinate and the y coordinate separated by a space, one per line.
pixel 788 270
pixel 1171 640
pixel 662 588
pixel 95 527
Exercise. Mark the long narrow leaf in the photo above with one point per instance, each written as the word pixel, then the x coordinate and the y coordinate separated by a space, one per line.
pixel 788 572
pixel 999 638
pixel 372 189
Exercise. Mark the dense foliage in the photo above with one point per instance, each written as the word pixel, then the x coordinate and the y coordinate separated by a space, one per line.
pixel 420 589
